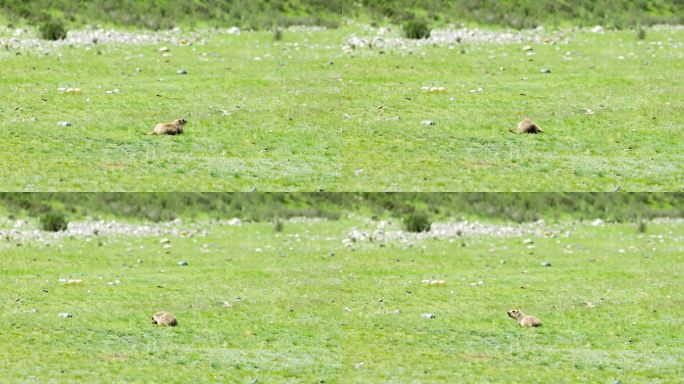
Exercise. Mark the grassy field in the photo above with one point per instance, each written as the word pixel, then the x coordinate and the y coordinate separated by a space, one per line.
pixel 305 308
pixel 306 116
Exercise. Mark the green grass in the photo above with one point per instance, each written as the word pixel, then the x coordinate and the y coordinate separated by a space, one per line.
pixel 291 326
pixel 290 132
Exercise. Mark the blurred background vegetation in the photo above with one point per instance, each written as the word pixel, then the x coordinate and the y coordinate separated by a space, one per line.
pixel 261 14
pixel 519 207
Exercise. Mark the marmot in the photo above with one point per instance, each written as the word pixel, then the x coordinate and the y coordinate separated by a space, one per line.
pixel 523 319
pixel 164 318
pixel 175 128
pixel 527 126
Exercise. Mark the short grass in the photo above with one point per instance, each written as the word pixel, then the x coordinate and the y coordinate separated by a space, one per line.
pixel 311 310
pixel 290 131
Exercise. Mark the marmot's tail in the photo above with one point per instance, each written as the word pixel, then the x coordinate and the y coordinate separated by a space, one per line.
pixel 512 131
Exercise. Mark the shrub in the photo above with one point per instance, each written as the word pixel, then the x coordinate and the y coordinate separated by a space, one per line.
pixel 417 222
pixel 52 29
pixel 417 29
pixel 53 221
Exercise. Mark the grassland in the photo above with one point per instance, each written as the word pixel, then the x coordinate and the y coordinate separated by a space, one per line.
pixel 287 129
pixel 313 310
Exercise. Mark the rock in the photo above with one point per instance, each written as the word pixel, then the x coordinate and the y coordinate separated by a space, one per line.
pixel 546 264
pixel 428 316
pixel 545 70
pixel 182 72
pixel 427 122
pixel 597 223
pixel 164 49
pixel 527 48
pixel 528 241
pixel 65 315
pixel 597 29
pixel 165 241
pixel 183 263
pixel 527 126
pixel 64 124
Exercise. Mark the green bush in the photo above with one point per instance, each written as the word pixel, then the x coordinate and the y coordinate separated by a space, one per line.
pixel 417 29
pixel 53 222
pixel 417 222
pixel 52 29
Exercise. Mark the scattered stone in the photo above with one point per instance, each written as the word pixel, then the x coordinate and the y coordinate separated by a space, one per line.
pixel 589 112
pixel 164 49
pixel 71 281
pixel 347 309
pixel 546 264
pixel 427 122
pixel 435 282
pixel 527 48
pixel 597 29
pixel 597 223
pixel 182 72
pixel 183 263
pixel 165 319
pixel 428 316
pixel 545 70
pixel 527 126
pixel 358 172
pixel 165 241
pixel 528 241
pixel 589 305
pixel 64 124
pixel 65 315
pixel 434 89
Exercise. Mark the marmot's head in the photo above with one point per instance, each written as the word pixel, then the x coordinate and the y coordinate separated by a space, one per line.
pixel 514 313
pixel 157 316
pixel 180 122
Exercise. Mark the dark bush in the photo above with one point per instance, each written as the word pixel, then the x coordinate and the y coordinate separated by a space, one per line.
pixel 52 29
pixel 53 221
pixel 417 222
pixel 417 29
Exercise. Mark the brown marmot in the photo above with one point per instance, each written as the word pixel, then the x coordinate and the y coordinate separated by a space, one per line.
pixel 523 319
pixel 175 128
pixel 527 126
pixel 164 318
